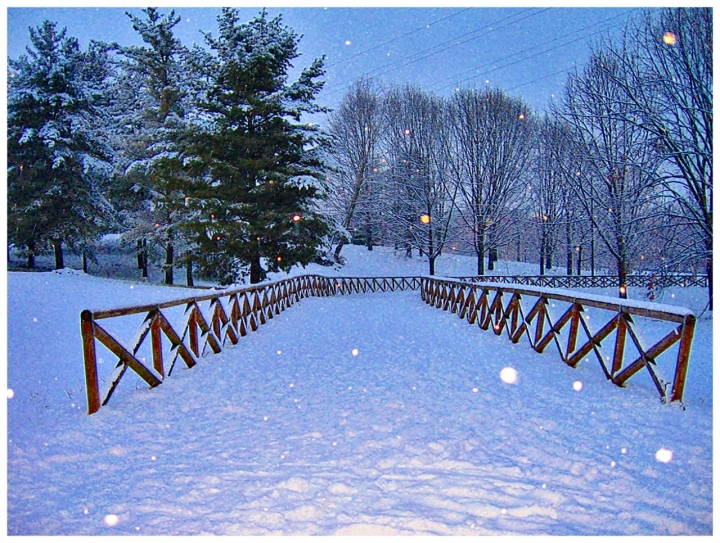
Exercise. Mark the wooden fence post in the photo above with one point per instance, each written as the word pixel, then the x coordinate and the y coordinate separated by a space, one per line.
pixel 91 376
pixel 688 330
pixel 156 341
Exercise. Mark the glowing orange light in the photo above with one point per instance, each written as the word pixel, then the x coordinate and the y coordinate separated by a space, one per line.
pixel 279 259
pixel 296 217
pixel 425 218
pixel 623 290
pixel 669 38
pixel 407 132
pixel 521 116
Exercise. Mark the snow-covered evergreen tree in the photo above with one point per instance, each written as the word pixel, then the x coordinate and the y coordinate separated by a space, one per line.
pixel 255 166
pixel 57 157
pixel 152 106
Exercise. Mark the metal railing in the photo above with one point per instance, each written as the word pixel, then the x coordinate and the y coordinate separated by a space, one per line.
pixel 210 327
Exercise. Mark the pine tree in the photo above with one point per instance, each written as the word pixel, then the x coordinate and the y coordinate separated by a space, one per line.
pixel 155 79
pixel 255 165
pixel 57 159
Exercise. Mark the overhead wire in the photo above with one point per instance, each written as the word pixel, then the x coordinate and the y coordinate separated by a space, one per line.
pixel 425 26
pixel 492 62
pixel 430 50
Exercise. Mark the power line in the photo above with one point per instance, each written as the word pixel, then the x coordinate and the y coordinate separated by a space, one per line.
pixel 398 37
pixel 466 40
pixel 430 52
pixel 527 50
pixel 564 70
pixel 533 56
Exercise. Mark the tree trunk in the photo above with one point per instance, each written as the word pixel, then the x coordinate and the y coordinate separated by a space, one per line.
pixel 548 255
pixel 189 274
pixel 338 248
pixel 568 244
pixel 481 258
pixel 31 255
pixel 622 278
pixel 169 263
pixel 709 268
pixel 83 257
pixel 257 274
pixel 57 249
pixel 142 257
pixel 368 235
pixel 579 261
pixel 431 260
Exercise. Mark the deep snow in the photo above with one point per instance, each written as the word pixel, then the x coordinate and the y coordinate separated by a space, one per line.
pixel 362 414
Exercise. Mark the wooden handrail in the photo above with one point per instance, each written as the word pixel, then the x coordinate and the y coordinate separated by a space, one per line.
pixel 236 312
pixel 472 301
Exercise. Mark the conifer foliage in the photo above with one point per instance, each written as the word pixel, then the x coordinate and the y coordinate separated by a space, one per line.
pixel 255 168
pixel 151 125
pixel 57 160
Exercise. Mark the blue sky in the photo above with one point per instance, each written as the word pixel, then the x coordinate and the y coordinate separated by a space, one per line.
pixel 527 51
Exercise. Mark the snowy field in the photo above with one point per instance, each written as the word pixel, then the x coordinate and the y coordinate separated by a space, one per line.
pixel 363 414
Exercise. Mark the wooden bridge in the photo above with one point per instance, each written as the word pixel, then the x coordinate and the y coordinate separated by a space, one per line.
pixel 213 322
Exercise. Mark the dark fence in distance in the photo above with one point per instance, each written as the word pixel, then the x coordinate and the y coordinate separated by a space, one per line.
pixel 588 281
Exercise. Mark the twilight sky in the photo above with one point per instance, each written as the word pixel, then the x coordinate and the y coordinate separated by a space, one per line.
pixel 527 51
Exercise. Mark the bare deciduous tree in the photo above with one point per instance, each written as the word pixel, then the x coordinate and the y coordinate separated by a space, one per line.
pixel 619 176
pixel 491 153
pixel 355 128
pixel 665 74
pixel 422 193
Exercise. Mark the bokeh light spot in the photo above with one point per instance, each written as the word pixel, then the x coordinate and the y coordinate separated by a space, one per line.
pixel 663 455
pixel 509 375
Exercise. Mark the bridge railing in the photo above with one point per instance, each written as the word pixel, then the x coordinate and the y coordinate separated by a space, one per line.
pixel 208 323
pixel 504 308
pixel 189 328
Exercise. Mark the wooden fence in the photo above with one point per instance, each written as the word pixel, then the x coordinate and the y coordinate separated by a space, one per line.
pixel 589 281
pixel 499 306
pixel 232 314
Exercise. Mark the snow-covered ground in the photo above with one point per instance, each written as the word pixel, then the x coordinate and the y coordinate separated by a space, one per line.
pixel 362 414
